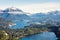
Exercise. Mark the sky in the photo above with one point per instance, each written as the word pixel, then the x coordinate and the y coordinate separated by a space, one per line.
pixel 32 6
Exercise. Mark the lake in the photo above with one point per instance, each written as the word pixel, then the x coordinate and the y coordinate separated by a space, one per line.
pixel 41 36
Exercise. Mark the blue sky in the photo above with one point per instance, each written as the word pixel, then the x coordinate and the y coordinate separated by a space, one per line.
pixel 31 5
pixel 25 2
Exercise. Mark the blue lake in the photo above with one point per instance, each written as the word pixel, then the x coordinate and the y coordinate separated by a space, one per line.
pixel 41 36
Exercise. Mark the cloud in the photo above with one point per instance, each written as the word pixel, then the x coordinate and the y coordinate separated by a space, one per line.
pixel 38 7
pixel 44 7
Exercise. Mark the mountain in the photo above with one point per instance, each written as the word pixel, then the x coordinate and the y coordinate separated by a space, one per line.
pixel 38 17
pixel 12 10
pixel 21 19
pixel 52 17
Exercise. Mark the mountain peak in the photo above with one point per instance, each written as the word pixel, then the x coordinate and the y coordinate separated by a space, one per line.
pixel 54 12
pixel 12 9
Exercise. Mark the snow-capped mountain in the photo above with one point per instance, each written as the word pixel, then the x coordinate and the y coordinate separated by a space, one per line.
pixel 12 9
pixel 21 19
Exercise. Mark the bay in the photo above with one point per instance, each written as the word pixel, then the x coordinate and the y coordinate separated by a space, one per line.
pixel 41 36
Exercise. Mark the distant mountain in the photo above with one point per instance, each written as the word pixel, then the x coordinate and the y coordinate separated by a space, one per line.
pixel 52 17
pixel 11 10
pixel 21 19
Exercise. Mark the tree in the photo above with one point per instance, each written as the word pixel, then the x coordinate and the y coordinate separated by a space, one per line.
pixel 3 35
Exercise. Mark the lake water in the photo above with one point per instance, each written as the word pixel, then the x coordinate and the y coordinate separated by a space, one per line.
pixel 41 36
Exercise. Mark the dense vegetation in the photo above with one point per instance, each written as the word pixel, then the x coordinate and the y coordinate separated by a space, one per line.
pixel 18 33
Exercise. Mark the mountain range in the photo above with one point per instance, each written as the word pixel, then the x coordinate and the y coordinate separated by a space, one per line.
pixel 21 18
